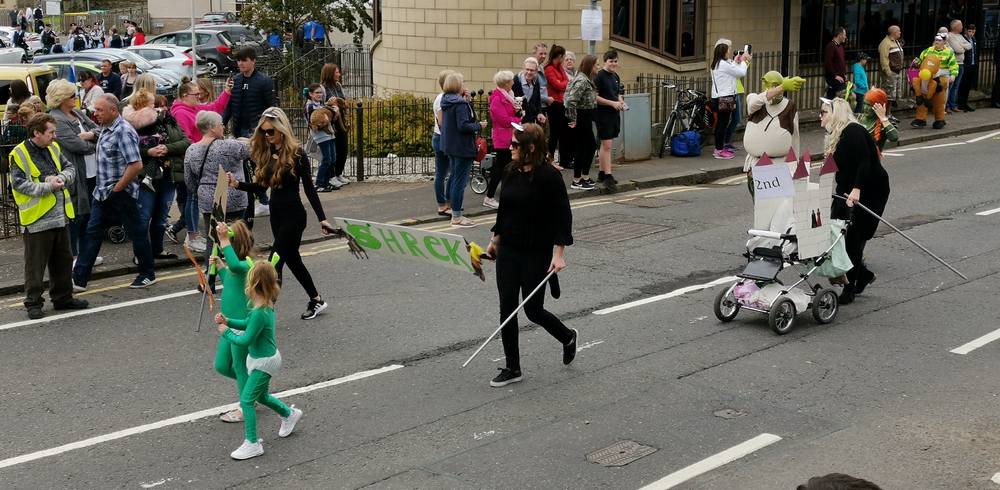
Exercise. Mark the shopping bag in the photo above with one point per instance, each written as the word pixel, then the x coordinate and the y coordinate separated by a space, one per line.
pixel 839 262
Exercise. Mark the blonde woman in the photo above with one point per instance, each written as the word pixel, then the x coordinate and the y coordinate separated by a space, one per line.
pixel 458 140
pixel 281 165
pixel 860 178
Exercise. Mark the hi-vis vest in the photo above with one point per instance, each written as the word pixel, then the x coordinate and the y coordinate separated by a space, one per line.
pixel 31 208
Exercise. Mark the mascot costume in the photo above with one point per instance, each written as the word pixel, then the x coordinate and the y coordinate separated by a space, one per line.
pixel 937 64
pixel 773 123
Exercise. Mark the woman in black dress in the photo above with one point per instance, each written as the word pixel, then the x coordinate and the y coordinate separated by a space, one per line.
pixel 861 178
pixel 534 226
pixel 281 165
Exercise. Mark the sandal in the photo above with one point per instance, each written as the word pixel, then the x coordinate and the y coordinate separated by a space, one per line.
pixel 463 222
pixel 444 212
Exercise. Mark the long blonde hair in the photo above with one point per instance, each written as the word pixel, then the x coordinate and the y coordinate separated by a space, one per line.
pixel 841 115
pixel 270 170
pixel 262 284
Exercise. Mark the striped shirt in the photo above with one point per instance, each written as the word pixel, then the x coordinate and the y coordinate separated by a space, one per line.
pixel 117 148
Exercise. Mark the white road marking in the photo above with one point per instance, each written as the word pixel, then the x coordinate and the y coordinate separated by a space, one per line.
pixel 976 140
pixel 589 345
pixel 988 212
pixel 900 150
pixel 996 478
pixel 672 294
pixel 99 309
pixel 180 419
pixel 155 483
pixel 708 464
pixel 975 344
pixel 885 153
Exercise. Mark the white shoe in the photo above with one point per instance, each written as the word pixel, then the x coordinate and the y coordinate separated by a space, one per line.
pixel 288 423
pixel 98 261
pixel 197 245
pixel 335 183
pixel 261 210
pixel 234 417
pixel 343 180
pixel 248 450
pixel 491 203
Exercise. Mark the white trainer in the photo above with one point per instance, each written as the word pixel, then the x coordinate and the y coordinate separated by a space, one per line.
pixel 234 417
pixel 98 261
pixel 288 423
pixel 343 180
pixel 248 450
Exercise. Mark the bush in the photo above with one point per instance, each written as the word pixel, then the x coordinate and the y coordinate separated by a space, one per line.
pixel 402 124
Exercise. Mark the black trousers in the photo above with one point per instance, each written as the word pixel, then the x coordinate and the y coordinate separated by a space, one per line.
pixel 518 273
pixel 969 79
pixel 557 130
pixel 833 86
pixel 49 248
pixel 496 173
pixel 584 142
pixel 855 242
pixel 288 225
pixel 721 125
pixel 341 143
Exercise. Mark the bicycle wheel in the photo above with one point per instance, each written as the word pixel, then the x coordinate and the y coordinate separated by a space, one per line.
pixel 668 131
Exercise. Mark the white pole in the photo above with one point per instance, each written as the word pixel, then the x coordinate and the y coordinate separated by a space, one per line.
pixel 194 43
pixel 512 315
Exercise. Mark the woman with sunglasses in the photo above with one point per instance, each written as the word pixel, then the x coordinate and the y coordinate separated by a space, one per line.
pixel 533 228
pixel 860 178
pixel 281 164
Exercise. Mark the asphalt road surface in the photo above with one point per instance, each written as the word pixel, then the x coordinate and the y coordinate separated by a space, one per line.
pixel 124 395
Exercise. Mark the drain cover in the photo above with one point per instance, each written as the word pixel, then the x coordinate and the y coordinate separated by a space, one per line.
pixel 620 453
pixel 617 231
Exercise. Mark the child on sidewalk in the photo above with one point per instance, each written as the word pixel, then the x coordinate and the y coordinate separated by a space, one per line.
pixel 321 118
pixel 860 82
pixel 263 359
pixel 230 358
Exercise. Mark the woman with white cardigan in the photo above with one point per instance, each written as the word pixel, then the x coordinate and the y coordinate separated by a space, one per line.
pixel 725 72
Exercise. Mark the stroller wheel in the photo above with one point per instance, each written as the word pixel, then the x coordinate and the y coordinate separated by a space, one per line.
pixel 726 307
pixel 825 306
pixel 782 316
pixel 478 183
pixel 116 234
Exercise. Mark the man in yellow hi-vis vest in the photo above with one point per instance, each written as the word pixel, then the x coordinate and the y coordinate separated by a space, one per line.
pixel 40 179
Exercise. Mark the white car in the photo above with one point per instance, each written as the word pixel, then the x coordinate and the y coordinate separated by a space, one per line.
pixel 173 58
pixel 34 40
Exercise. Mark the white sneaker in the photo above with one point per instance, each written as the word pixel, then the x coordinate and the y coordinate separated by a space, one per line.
pixel 233 417
pixel 248 450
pixel 288 423
pixel 491 203
pixel 335 183
pixel 197 245
pixel 261 210
pixel 343 180
pixel 98 261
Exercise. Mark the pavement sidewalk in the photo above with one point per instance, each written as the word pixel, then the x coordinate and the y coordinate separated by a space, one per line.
pixel 413 203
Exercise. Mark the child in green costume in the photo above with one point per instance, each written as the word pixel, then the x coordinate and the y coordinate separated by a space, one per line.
pixel 230 359
pixel 263 359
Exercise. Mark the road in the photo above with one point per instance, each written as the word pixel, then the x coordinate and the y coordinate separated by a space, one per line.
pixel 124 396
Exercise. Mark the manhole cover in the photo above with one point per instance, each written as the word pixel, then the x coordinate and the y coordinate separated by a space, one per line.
pixel 620 453
pixel 617 231
pixel 650 202
pixel 729 413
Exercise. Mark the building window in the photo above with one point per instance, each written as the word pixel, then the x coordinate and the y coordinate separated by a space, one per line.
pixel 672 28
pixel 376 17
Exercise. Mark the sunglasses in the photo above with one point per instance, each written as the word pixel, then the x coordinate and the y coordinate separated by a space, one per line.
pixel 268 132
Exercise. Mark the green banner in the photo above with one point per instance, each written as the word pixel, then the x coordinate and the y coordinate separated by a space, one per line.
pixel 443 249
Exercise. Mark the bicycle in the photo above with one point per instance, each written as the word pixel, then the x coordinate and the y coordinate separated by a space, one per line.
pixel 691 112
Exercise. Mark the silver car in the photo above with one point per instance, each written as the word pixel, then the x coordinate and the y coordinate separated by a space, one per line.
pixel 173 58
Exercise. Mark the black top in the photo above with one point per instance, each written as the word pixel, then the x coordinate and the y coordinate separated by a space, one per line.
pixel 609 87
pixel 859 167
pixel 248 100
pixel 286 194
pixel 532 106
pixel 111 84
pixel 534 210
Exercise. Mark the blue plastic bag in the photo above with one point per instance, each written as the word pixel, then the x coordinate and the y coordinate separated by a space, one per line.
pixel 685 144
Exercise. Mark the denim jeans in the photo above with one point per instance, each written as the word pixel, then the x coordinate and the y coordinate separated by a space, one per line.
pixel 154 209
pixel 329 150
pixel 460 167
pixel 441 166
pixel 953 89
pixel 123 206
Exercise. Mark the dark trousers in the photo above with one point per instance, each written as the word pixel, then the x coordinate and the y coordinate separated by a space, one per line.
pixel 968 82
pixel 855 244
pixel 154 211
pixel 123 205
pixel 288 226
pixel 49 248
pixel 833 86
pixel 584 142
pixel 341 153
pixel 721 126
pixel 496 173
pixel 557 133
pixel 995 96
pixel 518 273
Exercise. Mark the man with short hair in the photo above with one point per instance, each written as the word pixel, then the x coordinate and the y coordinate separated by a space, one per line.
pixel 119 162
pixel 48 39
pixel 110 82
pixel 527 85
pixel 540 54
pixel 835 64
pixel 610 104
pixel 18 38
pixel 891 64
pixel 971 75
pixel 253 92
pixel 959 45
pixel 40 178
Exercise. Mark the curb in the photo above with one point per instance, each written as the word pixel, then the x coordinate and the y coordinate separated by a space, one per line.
pixel 691 177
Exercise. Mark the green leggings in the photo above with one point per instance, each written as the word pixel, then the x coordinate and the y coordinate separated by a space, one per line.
pixel 255 390
pixel 231 362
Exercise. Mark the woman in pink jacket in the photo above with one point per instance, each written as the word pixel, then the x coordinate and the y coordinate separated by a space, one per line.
pixel 186 106
pixel 504 110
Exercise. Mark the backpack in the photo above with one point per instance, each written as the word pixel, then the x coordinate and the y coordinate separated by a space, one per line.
pixel 79 43
pixel 685 144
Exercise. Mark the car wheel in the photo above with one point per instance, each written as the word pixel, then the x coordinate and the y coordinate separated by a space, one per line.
pixel 213 68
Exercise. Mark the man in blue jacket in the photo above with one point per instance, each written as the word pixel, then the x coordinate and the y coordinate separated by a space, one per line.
pixel 253 92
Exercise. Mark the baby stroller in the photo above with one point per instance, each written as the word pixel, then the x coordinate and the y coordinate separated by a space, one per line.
pixel 760 289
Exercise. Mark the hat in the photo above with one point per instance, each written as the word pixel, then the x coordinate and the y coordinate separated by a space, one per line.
pixel 940 37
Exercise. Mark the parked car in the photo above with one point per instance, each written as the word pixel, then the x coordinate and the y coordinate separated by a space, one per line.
pixel 212 44
pixel 34 40
pixel 93 57
pixel 141 63
pixel 37 77
pixel 173 58
pixel 10 54
pixel 219 18
pixel 62 70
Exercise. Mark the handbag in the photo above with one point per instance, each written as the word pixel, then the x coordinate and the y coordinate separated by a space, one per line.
pixel 726 103
pixel 481 148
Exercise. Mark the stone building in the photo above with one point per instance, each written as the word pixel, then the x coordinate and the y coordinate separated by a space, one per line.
pixel 415 39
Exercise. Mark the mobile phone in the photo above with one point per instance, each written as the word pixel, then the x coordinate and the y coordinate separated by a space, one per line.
pixel 747 48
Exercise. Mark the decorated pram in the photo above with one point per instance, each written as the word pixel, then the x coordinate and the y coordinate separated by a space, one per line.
pixel 791 232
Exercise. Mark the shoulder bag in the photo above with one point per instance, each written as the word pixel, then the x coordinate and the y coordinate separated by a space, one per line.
pixel 726 103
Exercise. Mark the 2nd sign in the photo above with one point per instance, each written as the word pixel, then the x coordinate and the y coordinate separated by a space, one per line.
pixel 443 249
